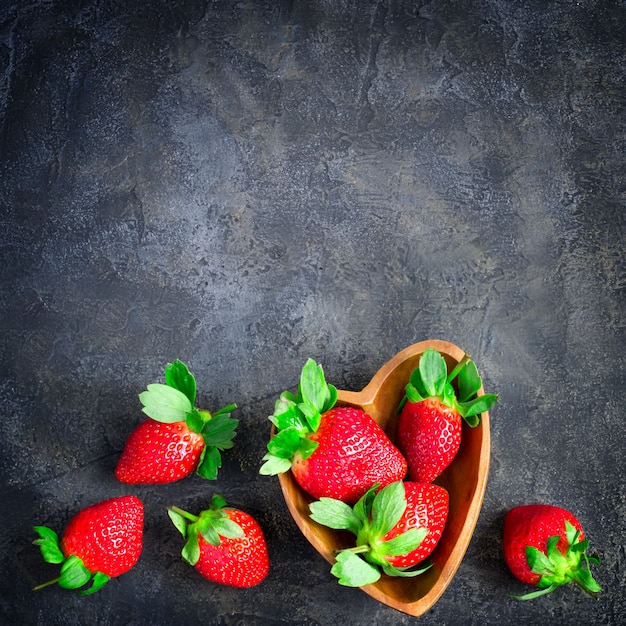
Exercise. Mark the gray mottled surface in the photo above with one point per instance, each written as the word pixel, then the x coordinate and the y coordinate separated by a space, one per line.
pixel 246 185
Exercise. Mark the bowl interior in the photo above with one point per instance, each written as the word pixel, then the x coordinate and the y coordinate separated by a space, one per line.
pixel 465 480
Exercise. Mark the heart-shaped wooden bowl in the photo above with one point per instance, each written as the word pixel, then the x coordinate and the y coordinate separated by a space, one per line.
pixel 465 480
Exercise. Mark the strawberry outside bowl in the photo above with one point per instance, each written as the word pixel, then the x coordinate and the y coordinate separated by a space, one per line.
pixel 465 480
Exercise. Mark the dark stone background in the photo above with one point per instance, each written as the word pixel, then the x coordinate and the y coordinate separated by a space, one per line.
pixel 246 185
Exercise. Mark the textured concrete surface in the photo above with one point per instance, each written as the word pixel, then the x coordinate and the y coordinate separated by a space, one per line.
pixel 246 185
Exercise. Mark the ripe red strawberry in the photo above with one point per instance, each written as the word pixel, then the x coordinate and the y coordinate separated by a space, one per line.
pixel 426 507
pixel 224 544
pixel 396 527
pixel 100 542
pixel 178 438
pixel 334 452
pixel 430 424
pixel 353 453
pixel 545 546
pixel 157 453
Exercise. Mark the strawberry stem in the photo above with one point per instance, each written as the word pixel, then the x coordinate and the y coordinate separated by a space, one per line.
pixel 189 516
pixel 355 549
pixel 46 584
pixel 535 594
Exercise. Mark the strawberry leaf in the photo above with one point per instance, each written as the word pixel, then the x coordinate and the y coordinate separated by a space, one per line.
pixel 571 533
pixel 74 574
pixel 178 377
pixel 287 396
pixel 558 561
pixel 585 580
pixel 477 406
pixel 331 399
pixel 307 447
pixel 352 571
pixel 46 533
pixel 538 562
pixel 99 580
pixel 312 415
pixel 228 528
pixel 165 404
pixel 220 431
pixel 284 443
pixel 197 419
pixel 387 508
pixel 218 502
pixel 405 572
pixel 433 372
pixel 415 380
pixel 48 542
pixel 210 534
pixel 551 545
pixel 412 395
pixel 334 514
pixel 404 543
pixel 191 549
pixel 179 521
pixel 313 388
pixel 469 381
pixel 363 507
pixel 287 415
pixel 274 465
pixel 281 449
pixel 220 438
pixel 449 395
pixel 209 463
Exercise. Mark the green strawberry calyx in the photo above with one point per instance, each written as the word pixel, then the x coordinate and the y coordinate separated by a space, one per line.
pixel 371 518
pixel 296 417
pixel 430 379
pixel 73 574
pixel 211 524
pixel 556 568
pixel 175 402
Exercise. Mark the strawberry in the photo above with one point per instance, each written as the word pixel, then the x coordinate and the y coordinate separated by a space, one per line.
pixel 335 452
pixel 430 424
pixel 224 544
pixel 545 546
pixel 100 542
pixel 427 507
pixel 178 438
pixel 396 528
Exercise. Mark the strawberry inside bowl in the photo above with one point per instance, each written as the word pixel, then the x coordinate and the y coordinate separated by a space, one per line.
pixel 465 480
